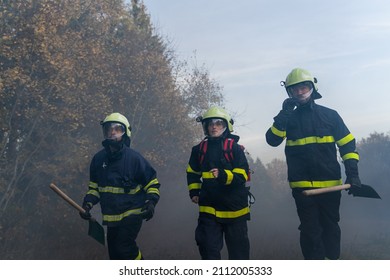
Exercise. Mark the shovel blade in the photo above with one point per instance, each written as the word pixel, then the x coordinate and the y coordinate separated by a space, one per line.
pixel 96 231
pixel 364 191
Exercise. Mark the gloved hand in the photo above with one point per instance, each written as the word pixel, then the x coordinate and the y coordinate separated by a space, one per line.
pixel 147 210
pixel 287 109
pixel 289 104
pixel 87 207
pixel 351 170
pixel 222 176
pixel 354 182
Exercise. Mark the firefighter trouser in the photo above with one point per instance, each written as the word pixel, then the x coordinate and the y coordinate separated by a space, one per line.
pixel 209 238
pixel 121 239
pixel 319 229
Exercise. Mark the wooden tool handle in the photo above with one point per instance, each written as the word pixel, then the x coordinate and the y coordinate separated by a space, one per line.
pixel 66 198
pixel 326 190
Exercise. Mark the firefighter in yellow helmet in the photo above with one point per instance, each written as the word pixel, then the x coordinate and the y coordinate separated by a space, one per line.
pixel 125 185
pixel 216 175
pixel 313 135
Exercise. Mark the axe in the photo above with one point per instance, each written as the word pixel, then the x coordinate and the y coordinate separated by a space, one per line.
pixel 95 230
pixel 363 191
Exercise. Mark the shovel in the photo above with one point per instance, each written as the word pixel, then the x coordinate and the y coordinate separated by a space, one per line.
pixel 363 191
pixel 95 230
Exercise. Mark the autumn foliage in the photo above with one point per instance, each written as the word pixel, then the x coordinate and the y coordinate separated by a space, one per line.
pixel 65 65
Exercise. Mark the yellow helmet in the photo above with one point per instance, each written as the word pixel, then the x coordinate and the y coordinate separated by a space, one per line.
pixel 118 118
pixel 297 76
pixel 216 112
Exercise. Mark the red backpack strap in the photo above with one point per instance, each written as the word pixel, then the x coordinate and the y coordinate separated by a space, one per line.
pixel 202 150
pixel 228 149
pixel 228 152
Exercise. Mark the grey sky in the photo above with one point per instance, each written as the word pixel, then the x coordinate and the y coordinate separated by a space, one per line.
pixel 249 46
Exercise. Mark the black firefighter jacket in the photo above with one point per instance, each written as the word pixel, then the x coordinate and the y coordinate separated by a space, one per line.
pixel 121 184
pixel 312 134
pixel 224 198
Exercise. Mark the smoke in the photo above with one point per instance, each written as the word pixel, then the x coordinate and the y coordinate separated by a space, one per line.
pixel 59 233
pixel 273 228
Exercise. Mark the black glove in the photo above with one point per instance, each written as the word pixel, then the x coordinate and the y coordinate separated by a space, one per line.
pixel 354 182
pixel 222 176
pixel 147 210
pixel 351 170
pixel 289 104
pixel 287 109
pixel 87 207
pixel 193 193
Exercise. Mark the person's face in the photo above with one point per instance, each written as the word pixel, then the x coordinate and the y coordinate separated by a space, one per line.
pixel 301 92
pixel 114 131
pixel 216 127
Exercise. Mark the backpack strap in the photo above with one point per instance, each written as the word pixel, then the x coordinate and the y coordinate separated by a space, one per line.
pixel 228 149
pixel 228 152
pixel 202 150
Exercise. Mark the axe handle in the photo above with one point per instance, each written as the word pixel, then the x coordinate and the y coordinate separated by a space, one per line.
pixel 66 198
pixel 326 190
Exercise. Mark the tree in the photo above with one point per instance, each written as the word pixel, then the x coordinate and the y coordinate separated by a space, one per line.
pixel 374 162
pixel 199 90
pixel 65 65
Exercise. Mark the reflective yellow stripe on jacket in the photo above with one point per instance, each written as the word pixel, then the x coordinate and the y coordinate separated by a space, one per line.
pixel 310 140
pixel 139 256
pixel 277 132
pixel 229 175
pixel 326 139
pixel 345 140
pixel 151 190
pixel 93 189
pixel 190 170
pixel 350 156
pixel 315 184
pixel 118 190
pixel 119 217
pixel 241 171
pixel 224 214
pixel 195 186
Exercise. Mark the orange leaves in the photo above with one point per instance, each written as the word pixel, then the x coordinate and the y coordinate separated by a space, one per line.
pixel 71 62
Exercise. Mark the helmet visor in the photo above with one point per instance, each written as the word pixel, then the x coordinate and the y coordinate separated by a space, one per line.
pixel 112 130
pixel 295 89
pixel 216 122
pixel 214 127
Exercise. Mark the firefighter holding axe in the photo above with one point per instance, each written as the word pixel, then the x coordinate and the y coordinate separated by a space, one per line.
pixel 125 185
pixel 315 135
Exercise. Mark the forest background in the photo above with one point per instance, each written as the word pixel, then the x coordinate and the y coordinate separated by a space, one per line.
pixel 65 65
